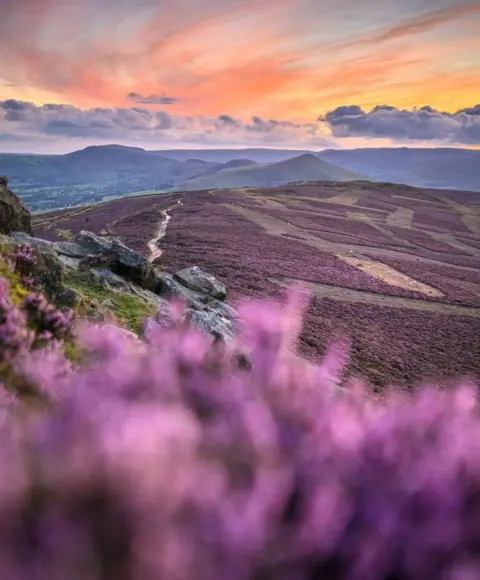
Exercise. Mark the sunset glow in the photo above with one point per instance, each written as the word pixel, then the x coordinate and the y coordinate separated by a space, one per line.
pixel 288 60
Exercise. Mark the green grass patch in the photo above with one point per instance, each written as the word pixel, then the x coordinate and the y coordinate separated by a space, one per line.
pixel 128 309
pixel 16 292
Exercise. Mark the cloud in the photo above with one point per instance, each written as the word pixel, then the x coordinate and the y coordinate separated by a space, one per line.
pixel 142 125
pixel 471 110
pixel 417 124
pixel 162 99
pixel 273 58
pixel 420 23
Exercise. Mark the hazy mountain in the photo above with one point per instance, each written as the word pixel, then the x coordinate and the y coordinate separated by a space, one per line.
pixel 98 172
pixel 224 155
pixel 99 163
pixel 443 168
pixel 216 167
pixel 48 181
pixel 306 167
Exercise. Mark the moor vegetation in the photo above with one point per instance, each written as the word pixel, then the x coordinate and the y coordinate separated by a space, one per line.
pixel 156 456
pixel 394 269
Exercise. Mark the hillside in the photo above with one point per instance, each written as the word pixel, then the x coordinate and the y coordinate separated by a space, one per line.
pixel 306 167
pixel 443 168
pixel 395 268
pixel 99 173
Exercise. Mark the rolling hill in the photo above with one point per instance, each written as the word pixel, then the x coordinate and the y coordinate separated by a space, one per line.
pixel 394 268
pixel 90 174
pixel 259 155
pixel 99 173
pixel 442 168
pixel 306 167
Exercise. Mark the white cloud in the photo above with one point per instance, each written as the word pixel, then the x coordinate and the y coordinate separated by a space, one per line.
pixel 141 125
pixel 418 124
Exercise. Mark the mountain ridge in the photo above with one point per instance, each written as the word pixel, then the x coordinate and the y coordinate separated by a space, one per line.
pixel 305 167
pixel 101 172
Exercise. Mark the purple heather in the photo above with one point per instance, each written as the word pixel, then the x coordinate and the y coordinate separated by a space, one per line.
pixel 159 458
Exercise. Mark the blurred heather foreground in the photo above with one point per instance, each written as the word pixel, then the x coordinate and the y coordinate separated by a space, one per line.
pixel 174 437
pixel 160 457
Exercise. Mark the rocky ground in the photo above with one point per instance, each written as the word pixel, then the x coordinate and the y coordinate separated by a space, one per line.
pixel 103 279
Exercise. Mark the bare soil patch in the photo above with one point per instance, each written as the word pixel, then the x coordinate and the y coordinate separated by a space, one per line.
pixel 402 217
pixel 389 275
pixel 472 222
pixel 347 198
pixel 358 216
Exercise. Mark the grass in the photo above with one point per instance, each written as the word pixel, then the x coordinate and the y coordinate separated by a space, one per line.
pixel 128 309
pixel 16 292
pixel 64 234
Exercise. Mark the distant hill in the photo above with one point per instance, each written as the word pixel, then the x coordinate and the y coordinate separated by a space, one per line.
pixel 88 175
pixel 97 163
pixel 442 168
pixel 216 167
pixel 102 172
pixel 306 167
pixel 258 155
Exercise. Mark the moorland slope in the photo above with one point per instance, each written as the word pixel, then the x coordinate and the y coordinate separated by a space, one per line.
pixel 394 268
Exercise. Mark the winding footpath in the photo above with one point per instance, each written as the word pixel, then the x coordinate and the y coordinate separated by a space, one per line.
pixel 154 243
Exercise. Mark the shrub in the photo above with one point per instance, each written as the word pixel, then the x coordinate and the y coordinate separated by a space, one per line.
pixel 161 459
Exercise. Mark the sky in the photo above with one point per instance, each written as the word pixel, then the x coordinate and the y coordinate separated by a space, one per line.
pixel 234 73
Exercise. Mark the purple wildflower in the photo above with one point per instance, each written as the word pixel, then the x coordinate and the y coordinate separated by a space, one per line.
pixel 160 459
pixel 48 322
pixel 24 259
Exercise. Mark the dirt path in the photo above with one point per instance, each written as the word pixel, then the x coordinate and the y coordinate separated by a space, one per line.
pixel 153 244
pixel 365 297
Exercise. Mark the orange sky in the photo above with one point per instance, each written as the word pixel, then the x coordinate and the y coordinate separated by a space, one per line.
pixel 283 59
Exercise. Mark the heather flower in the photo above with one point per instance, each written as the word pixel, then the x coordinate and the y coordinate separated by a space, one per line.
pixel 24 258
pixel 159 458
pixel 48 322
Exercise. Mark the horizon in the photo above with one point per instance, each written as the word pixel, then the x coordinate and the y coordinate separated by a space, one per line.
pixel 212 74
pixel 300 150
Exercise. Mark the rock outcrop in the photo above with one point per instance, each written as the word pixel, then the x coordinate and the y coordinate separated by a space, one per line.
pixel 14 215
pixel 111 253
pixel 106 263
pixel 198 280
